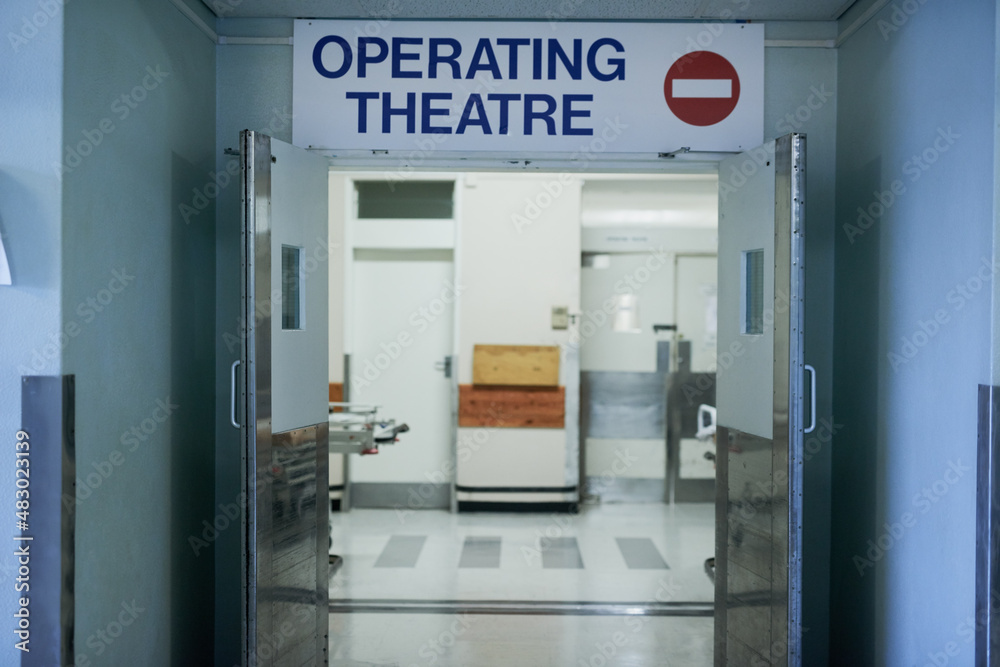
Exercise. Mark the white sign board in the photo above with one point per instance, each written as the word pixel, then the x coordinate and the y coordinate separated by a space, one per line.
pixel 579 88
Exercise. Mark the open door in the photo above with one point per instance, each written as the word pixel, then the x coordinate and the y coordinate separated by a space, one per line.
pixel 284 395
pixel 760 406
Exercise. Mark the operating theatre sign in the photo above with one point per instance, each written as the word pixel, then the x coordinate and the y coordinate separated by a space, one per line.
pixel 527 87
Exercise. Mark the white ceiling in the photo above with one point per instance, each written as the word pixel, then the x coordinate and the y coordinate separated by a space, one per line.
pixel 752 10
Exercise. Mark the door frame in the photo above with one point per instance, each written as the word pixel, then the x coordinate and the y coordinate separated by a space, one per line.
pixel 258 475
pixel 451 166
pixel 679 420
pixel 350 218
pixel 787 429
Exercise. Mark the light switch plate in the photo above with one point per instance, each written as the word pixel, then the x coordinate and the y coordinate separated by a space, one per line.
pixel 560 317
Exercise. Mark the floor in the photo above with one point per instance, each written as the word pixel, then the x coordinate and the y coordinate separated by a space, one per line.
pixel 650 555
pixel 410 640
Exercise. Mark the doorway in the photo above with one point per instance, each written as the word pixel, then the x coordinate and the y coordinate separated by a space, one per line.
pixel 642 236
pixel 403 320
pixel 547 561
pixel 458 588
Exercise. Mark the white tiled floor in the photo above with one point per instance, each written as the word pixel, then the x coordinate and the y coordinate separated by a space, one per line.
pixel 409 640
pixel 684 536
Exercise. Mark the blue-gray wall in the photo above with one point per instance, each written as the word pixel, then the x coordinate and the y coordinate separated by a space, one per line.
pixel 30 224
pixel 800 96
pixel 917 80
pixel 254 93
pixel 138 279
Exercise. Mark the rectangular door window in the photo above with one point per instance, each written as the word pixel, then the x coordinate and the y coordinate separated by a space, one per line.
pixel 752 293
pixel 292 294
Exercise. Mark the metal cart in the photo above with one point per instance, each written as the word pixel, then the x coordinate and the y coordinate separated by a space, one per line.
pixel 356 429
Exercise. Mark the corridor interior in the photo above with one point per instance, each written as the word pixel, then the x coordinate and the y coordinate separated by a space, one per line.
pixel 615 275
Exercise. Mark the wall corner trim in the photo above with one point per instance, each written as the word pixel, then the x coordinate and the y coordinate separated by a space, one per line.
pixel 192 16
pixel 861 21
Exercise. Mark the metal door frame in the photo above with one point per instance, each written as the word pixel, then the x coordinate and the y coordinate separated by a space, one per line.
pixel 255 395
pixel 257 483
pixel 786 444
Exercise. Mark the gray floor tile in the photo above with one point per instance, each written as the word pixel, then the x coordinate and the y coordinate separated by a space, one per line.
pixel 561 553
pixel 480 552
pixel 401 551
pixel 641 554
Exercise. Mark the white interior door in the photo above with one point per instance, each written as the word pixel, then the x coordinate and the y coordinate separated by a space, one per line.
pixel 697 322
pixel 403 324
pixel 625 397
pixel 602 278
pixel 284 395
pixel 697 308
pixel 760 405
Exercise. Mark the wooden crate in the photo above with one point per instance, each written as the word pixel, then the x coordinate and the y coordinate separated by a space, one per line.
pixel 511 407
pixel 516 365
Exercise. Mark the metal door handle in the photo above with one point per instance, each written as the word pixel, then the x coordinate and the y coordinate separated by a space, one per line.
pixel 232 394
pixel 812 399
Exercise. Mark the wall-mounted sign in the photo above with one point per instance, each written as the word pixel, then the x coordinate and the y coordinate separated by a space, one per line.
pixel 580 88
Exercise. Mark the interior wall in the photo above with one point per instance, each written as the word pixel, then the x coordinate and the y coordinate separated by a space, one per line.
pixel 915 183
pixel 138 274
pixel 338 205
pixel 339 183
pixel 519 256
pixel 31 113
pixel 254 91
pixel 800 95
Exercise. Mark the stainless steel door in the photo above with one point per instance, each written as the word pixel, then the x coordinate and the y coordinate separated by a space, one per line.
pixel 760 405
pixel 284 367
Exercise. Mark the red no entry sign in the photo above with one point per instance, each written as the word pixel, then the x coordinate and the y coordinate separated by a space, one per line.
pixel 702 88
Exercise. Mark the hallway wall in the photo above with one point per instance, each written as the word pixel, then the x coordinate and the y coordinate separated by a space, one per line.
pixel 254 92
pixel 914 239
pixel 801 87
pixel 138 278
pixel 31 114
pixel 519 256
